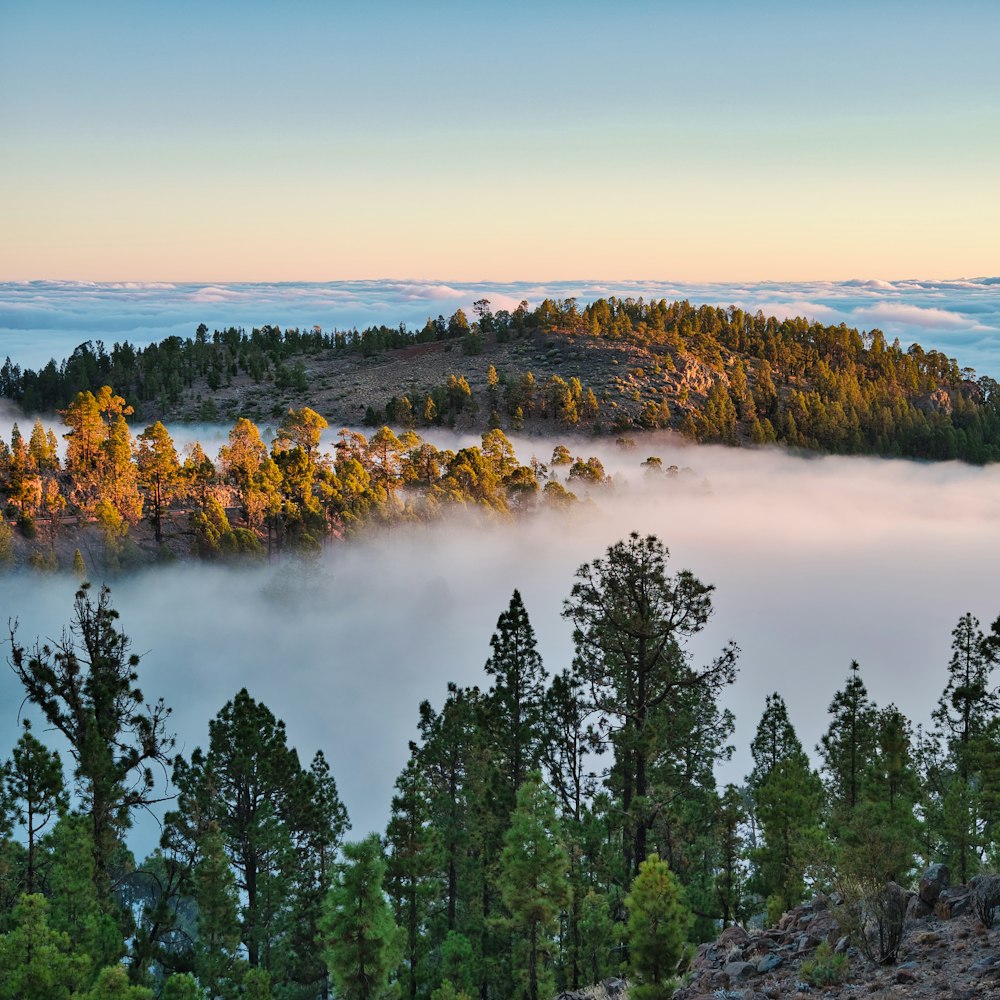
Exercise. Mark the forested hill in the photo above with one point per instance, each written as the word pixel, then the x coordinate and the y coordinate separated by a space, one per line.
pixel 614 366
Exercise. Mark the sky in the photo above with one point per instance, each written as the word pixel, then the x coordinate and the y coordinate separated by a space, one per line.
pixel 555 140
pixel 815 561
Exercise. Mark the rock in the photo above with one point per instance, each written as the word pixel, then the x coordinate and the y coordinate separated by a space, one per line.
pixel 614 987
pixel 739 970
pixel 917 909
pixel 952 902
pixel 904 975
pixel 841 946
pixel 769 962
pixel 936 878
pixel 733 935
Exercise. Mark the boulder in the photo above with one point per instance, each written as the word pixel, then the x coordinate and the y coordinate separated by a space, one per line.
pixel 917 909
pixel 733 935
pixel 934 879
pixel 769 962
pixel 739 970
pixel 952 902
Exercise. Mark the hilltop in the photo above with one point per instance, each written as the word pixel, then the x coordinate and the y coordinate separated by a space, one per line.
pixel 614 367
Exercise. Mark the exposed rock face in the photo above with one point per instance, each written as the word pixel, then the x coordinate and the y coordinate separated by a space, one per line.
pixel 936 878
pixel 947 953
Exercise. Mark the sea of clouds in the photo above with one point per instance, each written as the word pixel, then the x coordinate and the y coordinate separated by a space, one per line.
pixel 40 320
pixel 816 562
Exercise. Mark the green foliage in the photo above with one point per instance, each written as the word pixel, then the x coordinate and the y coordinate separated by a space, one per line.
pixel 787 798
pixel 449 991
pixel 360 938
pixel 112 984
pixel 533 883
pixel 257 985
pixel 824 968
pixel 657 930
pixel 182 986
pixel 38 962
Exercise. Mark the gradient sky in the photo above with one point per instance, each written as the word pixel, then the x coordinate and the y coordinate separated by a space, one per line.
pixel 700 141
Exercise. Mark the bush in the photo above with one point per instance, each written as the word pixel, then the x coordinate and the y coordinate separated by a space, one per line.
pixel 873 913
pixel 986 899
pixel 824 968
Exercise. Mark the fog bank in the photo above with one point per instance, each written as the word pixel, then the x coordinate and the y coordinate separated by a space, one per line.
pixel 816 561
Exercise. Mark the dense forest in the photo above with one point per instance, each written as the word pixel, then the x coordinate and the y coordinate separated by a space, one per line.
pixel 546 831
pixel 714 374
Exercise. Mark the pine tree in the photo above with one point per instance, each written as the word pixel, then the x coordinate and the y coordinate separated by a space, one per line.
pixel 85 687
pixel 183 986
pixel 159 473
pixel 112 984
pixel 848 746
pixel 966 710
pixel 38 962
pixel 657 930
pixel 414 859
pixel 513 707
pixel 214 893
pixel 533 880
pixel 77 908
pixel 359 936
pixel 787 797
pixel 35 785
pixel 251 770
pixel 631 621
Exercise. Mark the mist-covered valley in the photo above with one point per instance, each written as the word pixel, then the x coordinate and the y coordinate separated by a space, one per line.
pixel 815 561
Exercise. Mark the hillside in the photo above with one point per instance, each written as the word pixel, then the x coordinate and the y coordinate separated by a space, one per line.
pixel 614 367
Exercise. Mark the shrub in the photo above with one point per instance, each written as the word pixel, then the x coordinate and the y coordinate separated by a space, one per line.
pixel 986 899
pixel 873 913
pixel 824 968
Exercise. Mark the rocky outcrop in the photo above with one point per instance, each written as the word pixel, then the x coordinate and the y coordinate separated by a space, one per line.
pixel 948 952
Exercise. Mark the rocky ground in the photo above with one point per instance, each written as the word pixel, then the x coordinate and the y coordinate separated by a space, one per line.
pixel 947 954
pixel 342 386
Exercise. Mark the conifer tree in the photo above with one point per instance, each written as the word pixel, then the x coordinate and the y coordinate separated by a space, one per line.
pixel 112 984
pixel 631 621
pixel 359 936
pixel 657 930
pixel 513 708
pixel 85 687
pixel 38 962
pixel 533 881
pixel 246 782
pixel 159 473
pixel 183 986
pixel 413 862
pixel 597 937
pixel 848 746
pixel 787 796
pixel 76 905
pixel 965 713
pixel 37 792
pixel 218 926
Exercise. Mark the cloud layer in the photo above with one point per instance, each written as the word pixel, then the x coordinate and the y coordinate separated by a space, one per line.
pixel 816 562
pixel 44 319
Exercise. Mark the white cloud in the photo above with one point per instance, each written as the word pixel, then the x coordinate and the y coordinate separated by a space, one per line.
pixel 928 318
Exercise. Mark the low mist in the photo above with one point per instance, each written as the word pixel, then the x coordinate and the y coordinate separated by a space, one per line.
pixel 816 561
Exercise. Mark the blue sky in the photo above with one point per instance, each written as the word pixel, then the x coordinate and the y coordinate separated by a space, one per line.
pixel 320 141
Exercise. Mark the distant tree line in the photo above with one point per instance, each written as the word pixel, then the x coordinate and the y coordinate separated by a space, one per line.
pixel 546 831
pixel 806 385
